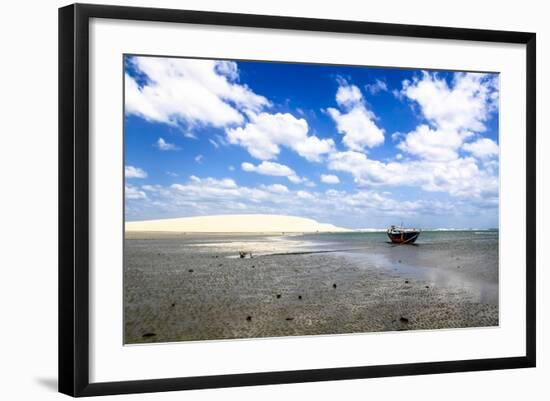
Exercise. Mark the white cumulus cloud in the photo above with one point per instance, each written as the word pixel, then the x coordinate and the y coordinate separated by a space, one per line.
pixel 466 104
pixel 184 92
pixel 356 123
pixel 264 135
pixel 432 144
pixel 453 112
pixel 482 148
pixel 277 188
pixel 295 179
pixel 273 169
pixel 268 168
pixel 460 177
pixel 133 193
pixel 330 179
pixel 348 95
pixel 134 172
pixel 209 196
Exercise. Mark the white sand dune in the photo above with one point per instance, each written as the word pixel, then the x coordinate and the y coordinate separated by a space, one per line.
pixel 243 223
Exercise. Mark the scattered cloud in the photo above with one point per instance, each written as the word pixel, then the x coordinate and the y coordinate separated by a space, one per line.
pixel 133 193
pixel 228 69
pixel 329 179
pixel 377 86
pixel 295 179
pixel 305 195
pixel 444 153
pixel 207 196
pixel 356 123
pixel 277 188
pixel 189 134
pixel 396 136
pixel 273 169
pixel 348 95
pixel 453 113
pixel 460 177
pixel 482 148
pixel 269 168
pixel 464 105
pixel 429 144
pixel 134 172
pixel 214 190
pixel 188 92
pixel 163 145
pixel 264 135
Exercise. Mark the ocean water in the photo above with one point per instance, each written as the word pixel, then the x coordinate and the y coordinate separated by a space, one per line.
pixel 467 260
pixel 428 239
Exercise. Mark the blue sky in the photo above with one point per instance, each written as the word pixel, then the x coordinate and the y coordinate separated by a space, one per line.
pixel 359 147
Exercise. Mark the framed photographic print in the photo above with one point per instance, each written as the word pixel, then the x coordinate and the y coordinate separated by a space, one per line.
pixel 249 199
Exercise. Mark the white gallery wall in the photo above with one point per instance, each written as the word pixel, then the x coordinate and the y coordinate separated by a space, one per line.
pixel 28 199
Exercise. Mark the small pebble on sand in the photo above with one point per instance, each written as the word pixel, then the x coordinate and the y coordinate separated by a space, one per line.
pixel 191 270
pixel 248 318
pixel 403 319
pixel 334 285
pixel 299 297
pixel 289 318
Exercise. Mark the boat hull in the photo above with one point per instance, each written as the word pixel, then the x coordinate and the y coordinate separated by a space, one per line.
pixel 406 237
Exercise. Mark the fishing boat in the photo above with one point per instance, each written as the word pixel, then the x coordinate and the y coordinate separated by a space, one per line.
pixel 401 235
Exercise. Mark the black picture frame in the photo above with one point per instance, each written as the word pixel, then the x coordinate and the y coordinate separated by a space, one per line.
pixel 74 198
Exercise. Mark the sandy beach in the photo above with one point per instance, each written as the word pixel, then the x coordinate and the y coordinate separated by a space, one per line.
pixel 236 223
pixel 192 286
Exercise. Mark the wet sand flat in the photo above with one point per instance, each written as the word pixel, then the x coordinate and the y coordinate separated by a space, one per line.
pixel 182 287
